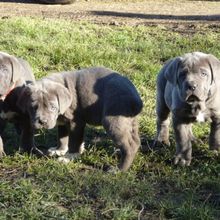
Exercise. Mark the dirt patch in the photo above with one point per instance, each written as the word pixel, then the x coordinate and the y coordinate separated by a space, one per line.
pixel 184 14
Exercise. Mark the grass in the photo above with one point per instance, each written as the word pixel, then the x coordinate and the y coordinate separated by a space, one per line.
pixel 39 188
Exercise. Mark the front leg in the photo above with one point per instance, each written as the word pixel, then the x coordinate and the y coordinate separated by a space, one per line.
pixel 2 152
pixel 76 145
pixel 183 137
pixel 27 135
pixel 63 140
pixel 76 137
pixel 2 127
pixel 214 137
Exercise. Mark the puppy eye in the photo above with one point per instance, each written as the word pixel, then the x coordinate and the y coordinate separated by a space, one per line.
pixel 204 74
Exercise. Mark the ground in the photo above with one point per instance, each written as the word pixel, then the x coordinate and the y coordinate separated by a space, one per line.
pixel 173 13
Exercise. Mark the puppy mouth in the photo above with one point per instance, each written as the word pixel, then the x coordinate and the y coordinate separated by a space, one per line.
pixel 38 126
pixel 43 126
pixel 192 98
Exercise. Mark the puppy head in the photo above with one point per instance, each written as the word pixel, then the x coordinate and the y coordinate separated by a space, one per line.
pixel 10 72
pixel 44 102
pixel 193 75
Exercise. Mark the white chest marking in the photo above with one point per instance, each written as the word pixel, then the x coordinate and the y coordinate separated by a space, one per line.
pixel 7 115
pixel 200 117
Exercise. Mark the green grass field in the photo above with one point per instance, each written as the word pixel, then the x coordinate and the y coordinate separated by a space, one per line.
pixel 40 188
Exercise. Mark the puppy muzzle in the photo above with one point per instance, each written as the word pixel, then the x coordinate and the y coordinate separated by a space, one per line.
pixel 191 98
pixel 43 123
pixel 192 92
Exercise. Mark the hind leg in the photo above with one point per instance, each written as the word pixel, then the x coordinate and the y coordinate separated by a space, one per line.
pixel 124 133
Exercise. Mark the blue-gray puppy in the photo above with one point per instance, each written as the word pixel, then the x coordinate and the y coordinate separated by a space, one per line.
pixel 189 87
pixel 96 96
pixel 14 73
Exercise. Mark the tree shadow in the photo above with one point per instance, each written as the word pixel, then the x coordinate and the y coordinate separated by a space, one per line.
pixel 22 1
pixel 158 16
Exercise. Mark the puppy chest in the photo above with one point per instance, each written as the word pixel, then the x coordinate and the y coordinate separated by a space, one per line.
pixel 190 115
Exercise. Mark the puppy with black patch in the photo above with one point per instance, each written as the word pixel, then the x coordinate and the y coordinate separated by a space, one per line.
pixel 14 73
pixel 96 96
pixel 189 87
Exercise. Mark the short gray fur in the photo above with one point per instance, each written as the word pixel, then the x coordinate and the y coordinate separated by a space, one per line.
pixel 14 73
pixel 189 87
pixel 96 96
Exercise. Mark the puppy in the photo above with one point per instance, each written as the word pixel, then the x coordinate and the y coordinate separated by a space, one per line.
pixel 14 73
pixel 189 87
pixel 96 96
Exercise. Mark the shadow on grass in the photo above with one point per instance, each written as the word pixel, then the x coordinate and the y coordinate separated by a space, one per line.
pixel 45 139
pixel 158 16
pixel 21 1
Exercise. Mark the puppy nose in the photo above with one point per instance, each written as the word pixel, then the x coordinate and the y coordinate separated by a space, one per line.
pixel 192 86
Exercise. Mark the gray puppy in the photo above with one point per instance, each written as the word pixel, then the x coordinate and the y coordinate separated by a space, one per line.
pixel 14 72
pixel 96 96
pixel 189 87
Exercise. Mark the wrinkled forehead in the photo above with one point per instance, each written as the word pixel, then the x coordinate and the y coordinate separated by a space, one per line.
pixel 195 64
pixel 42 93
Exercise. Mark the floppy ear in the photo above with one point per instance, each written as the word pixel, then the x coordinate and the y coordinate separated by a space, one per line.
pixel 24 98
pixel 171 69
pixel 214 64
pixel 64 97
pixel 13 65
pixel 17 69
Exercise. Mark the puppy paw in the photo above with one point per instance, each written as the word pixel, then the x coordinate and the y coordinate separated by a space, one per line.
pixel 68 157
pixel 82 148
pixel 2 152
pixel 182 160
pixel 53 151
